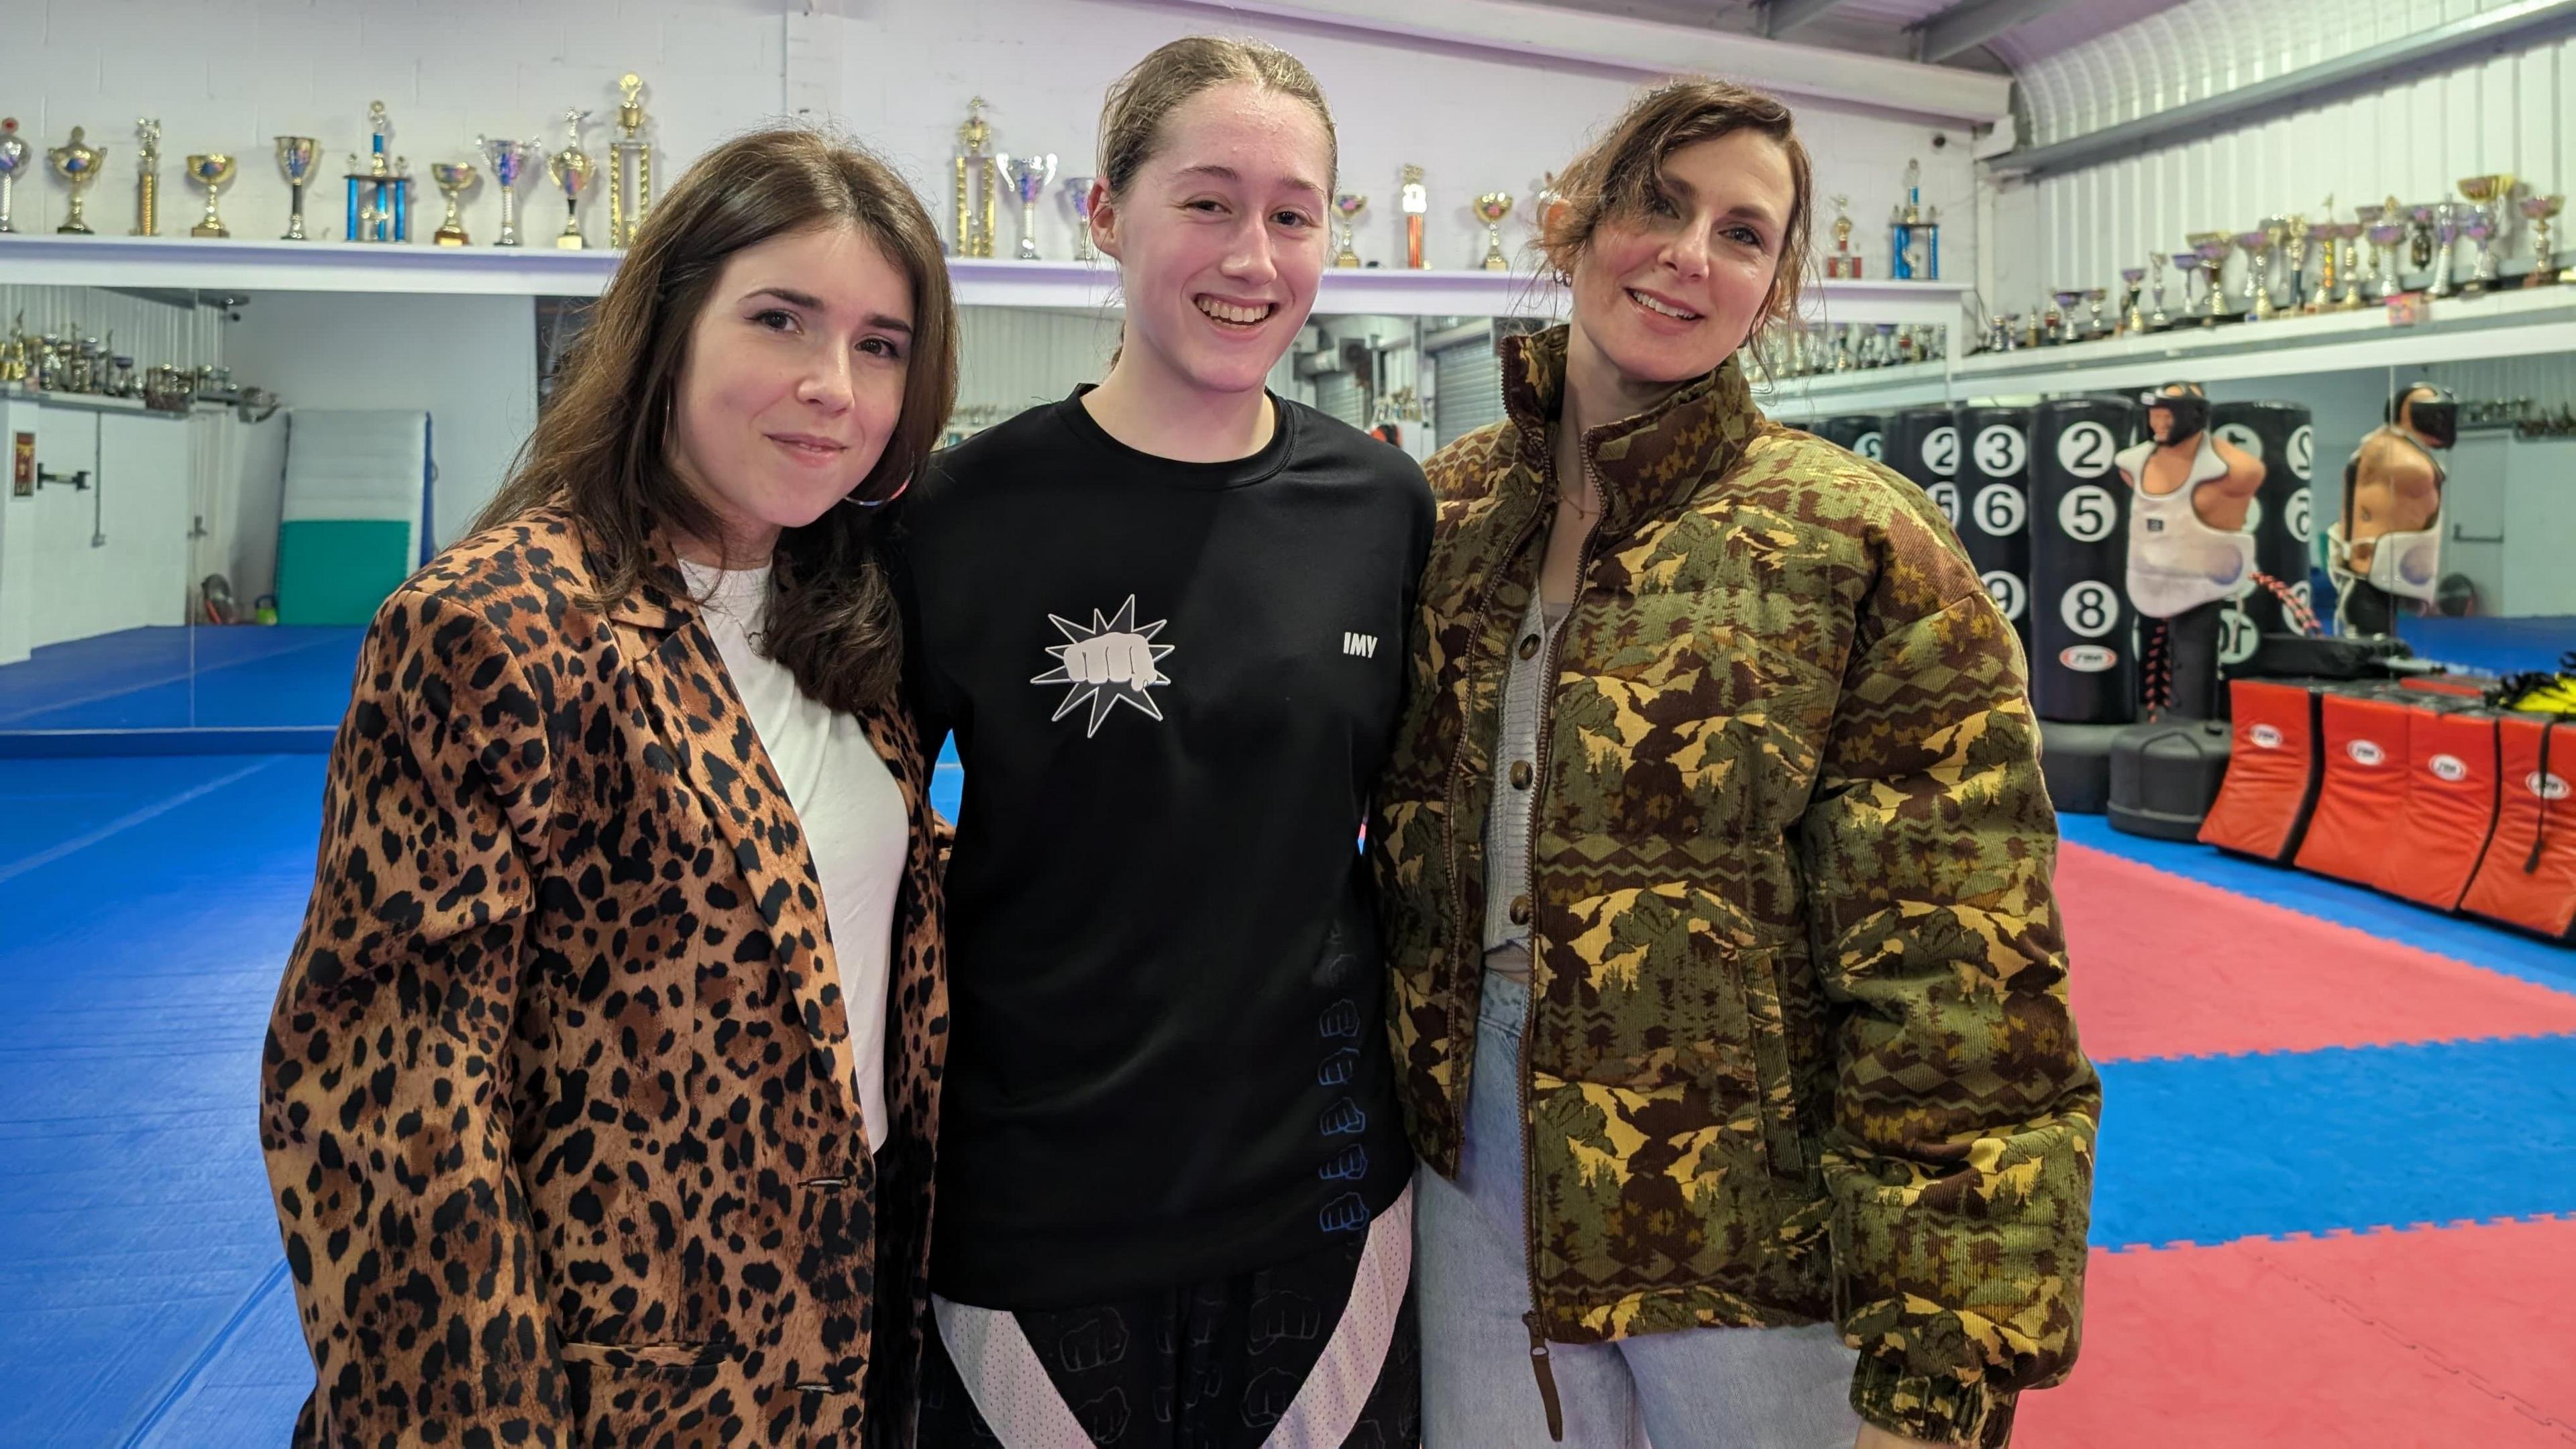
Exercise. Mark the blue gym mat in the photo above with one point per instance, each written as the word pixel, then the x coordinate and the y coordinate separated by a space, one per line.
pixel 2491 646
pixel 149 906
pixel 234 677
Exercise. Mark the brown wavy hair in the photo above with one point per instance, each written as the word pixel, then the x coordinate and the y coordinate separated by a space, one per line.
pixel 1618 178
pixel 601 450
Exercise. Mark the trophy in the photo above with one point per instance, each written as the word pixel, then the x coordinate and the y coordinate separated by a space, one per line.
pixel 2257 246
pixel 147 179
pixel 211 172
pixel 296 157
pixel 77 162
pixel 380 195
pixel 2446 241
pixel 1077 196
pixel 2290 253
pixel 1030 177
pixel 1840 262
pixel 2385 226
pixel 510 160
pixel 1348 207
pixel 454 179
pixel 15 156
pixel 2211 247
pixel 2068 329
pixel 1416 202
pixel 1546 202
pixel 2133 317
pixel 1914 233
pixel 2540 210
pixel 1491 208
pixel 572 170
pixel 977 179
pixel 2343 265
pixel 2490 216
pixel 630 151
pixel 2159 320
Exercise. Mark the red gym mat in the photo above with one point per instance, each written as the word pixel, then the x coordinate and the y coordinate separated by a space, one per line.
pixel 2167 967
pixel 2429 1339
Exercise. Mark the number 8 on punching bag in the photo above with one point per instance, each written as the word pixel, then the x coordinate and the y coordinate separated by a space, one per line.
pixel 1923 444
pixel 1994 522
pixel 2082 669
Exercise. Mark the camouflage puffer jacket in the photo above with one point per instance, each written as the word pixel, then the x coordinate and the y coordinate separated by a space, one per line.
pixel 1799 1045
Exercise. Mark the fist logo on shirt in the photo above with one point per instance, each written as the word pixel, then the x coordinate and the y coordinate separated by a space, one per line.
pixel 1112 661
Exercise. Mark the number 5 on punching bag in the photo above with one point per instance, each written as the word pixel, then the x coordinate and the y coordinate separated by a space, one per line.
pixel 2082 668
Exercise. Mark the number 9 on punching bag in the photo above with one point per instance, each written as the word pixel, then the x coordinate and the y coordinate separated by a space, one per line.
pixel 2281 437
pixel 2082 667
pixel 1994 505
pixel 1862 433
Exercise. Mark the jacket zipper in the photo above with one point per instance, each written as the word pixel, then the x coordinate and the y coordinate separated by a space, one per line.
pixel 1548 655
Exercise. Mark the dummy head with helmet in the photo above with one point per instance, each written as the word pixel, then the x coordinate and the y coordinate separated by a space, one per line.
pixel 2427 412
pixel 2177 414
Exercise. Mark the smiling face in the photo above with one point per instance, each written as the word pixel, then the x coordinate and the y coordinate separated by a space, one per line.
pixel 1668 295
pixel 793 383
pixel 1220 237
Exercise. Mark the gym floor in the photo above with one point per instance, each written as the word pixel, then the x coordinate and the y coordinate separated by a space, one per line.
pixel 2337 1173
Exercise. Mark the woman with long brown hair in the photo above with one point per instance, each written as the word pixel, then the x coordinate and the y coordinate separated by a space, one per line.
pixel 1729 995
pixel 600 1093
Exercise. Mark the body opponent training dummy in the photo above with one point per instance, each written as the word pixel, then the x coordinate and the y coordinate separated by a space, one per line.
pixel 2189 551
pixel 2389 542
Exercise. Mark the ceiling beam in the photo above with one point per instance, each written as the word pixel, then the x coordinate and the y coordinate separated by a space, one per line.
pixel 1779 17
pixel 1972 23
pixel 1648 49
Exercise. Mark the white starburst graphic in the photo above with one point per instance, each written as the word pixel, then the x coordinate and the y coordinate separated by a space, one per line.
pixel 1111 662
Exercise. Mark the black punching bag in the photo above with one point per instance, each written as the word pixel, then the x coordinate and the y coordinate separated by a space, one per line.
pixel 1862 433
pixel 1994 504
pixel 1923 444
pixel 2083 669
pixel 2282 438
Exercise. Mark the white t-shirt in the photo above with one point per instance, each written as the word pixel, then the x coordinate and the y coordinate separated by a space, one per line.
pixel 846 800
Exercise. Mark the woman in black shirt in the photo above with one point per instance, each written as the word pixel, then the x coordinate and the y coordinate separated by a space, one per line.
pixel 1164 619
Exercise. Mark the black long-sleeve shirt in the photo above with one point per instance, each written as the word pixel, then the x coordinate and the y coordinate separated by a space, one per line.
pixel 1172 686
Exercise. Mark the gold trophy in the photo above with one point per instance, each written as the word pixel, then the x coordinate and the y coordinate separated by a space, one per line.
pixel 571 167
pixel 626 208
pixel 2133 312
pixel 77 162
pixel 2211 248
pixel 2257 246
pixel 454 179
pixel 2490 199
pixel 1840 263
pixel 1491 208
pixel 2539 211
pixel 296 158
pixel 210 171
pixel 1348 207
pixel 147 182
pixel 1416 202
pixel 2290 240
pixel 978 184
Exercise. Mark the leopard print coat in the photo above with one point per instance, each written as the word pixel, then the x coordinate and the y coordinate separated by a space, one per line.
pixel 557 1099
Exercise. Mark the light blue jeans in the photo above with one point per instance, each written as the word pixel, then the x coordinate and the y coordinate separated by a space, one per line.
pixel 1709 1388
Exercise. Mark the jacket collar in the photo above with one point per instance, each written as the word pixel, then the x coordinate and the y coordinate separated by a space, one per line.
pixel 1645 462
pixel 661 599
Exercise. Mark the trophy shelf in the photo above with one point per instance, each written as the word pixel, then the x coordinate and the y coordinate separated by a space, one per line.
pixel 2513 323
pixel 1881 389
pixel 243 265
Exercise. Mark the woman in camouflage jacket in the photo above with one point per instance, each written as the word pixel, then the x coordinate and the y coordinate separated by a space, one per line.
pixel 1716 821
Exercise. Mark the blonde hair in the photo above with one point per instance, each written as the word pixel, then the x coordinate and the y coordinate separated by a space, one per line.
pixel 1132 116
pixel 1622 173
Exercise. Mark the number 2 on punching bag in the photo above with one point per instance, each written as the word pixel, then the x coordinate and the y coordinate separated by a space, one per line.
pixel 2082 669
